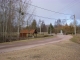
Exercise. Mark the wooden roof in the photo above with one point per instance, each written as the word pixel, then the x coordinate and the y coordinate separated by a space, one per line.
pixel 28 31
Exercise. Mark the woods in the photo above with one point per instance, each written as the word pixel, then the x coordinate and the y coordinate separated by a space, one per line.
pixel 12 18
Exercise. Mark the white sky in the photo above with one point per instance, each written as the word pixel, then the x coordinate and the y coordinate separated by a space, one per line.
pixel 63 6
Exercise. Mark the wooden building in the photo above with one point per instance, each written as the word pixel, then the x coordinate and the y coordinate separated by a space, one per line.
pixel 27 33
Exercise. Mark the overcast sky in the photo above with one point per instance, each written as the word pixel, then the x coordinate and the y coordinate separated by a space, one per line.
pixel 63 6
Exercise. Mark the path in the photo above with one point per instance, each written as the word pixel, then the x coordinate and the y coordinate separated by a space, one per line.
pixel 24 45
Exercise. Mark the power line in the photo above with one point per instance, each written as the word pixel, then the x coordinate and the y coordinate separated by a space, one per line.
pixel 70 6
pixel 48 9
pixel 45 17
pixel 40 16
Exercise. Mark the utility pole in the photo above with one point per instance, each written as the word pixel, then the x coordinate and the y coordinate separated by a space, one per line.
pixel 40 25
pixel 74 25
pixel 19 19
pixel 50 29
pixel 18 25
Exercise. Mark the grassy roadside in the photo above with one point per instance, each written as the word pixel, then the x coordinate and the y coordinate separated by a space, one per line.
pixel 28 40
pixel 76 38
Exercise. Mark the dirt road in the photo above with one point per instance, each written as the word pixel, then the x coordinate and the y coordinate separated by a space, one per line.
pixel 24 45
pixel 64 49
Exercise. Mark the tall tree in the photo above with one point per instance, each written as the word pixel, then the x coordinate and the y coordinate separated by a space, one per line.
pixel 58 26
pixel 50 29
pixel 68 29
pixel 43 27
pixel 12 17
pixel 34 24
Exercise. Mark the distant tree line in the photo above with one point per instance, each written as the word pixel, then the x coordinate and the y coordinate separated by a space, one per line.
pixel 56 27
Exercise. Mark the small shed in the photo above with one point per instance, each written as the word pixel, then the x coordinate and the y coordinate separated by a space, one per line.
pixel 27 32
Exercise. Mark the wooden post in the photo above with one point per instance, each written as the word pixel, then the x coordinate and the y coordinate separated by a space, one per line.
pixel 74 25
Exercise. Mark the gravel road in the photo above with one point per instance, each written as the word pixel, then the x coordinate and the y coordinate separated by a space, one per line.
pixel 24 45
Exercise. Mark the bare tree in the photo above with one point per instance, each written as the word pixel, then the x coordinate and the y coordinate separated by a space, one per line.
pixel 12 17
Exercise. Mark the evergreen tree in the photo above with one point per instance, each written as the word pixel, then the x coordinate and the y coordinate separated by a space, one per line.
pixel 34 24
pixel 50 29
pixel 43 27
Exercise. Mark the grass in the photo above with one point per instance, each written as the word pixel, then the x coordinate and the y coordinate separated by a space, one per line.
pixel 65 50
pixel 40 37
pixel 76 38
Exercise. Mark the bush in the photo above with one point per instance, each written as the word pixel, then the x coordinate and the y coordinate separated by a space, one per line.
pixel 1 40
pixel 46 35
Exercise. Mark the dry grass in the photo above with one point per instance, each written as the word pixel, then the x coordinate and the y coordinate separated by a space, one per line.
pixel 76 38
pixel 28 40
pixel 66 50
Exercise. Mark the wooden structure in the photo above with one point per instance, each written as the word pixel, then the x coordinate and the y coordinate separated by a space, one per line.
pixel 26 32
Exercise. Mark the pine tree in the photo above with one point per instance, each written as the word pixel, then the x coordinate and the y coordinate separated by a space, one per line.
pixel 50 29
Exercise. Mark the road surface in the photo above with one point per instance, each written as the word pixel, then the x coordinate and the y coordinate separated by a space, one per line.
pixel 24 45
